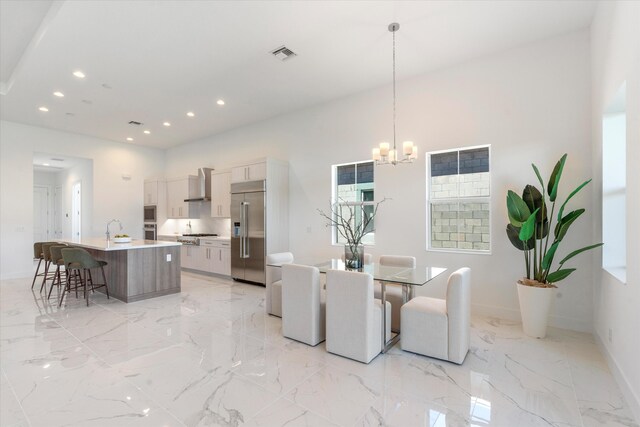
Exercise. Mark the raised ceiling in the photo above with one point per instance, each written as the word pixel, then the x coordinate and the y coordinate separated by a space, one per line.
pixel 154 61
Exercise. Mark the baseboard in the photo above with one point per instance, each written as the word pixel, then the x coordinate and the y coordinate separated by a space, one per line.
pixel 513 314
pixel 629 395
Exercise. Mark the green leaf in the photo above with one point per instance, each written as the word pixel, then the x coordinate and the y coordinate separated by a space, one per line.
pixel 563 225
pixel 579 251
pixel 542 230
pixel 534 199
pixel 528 227
pixel 517 209
pixel 554 181
pixel 573 193
pixel 513 234
pixel 548 257
pixel 557 276
pixel 535 169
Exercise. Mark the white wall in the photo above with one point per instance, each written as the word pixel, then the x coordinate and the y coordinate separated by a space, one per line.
pixel 615 58
pixel 531 104
pixel 114 197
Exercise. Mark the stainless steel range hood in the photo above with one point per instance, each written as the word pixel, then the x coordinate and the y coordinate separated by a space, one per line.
pixel 204 176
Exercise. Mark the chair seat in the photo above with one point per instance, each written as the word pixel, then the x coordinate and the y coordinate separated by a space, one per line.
pixel 425 327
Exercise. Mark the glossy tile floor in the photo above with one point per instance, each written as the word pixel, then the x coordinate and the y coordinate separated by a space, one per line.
pixel 210 356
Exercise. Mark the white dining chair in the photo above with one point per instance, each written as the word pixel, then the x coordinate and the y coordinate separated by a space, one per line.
pixel 354 317
pixel 393 293
pixel 440 328
pixel 273 291
pixel 303 304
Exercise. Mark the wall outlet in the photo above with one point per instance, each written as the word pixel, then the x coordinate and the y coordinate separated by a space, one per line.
pixel 610 336
pixel 308 229
pixel 168 257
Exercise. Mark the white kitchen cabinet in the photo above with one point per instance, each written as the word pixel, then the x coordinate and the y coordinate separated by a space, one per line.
pixel 177 191
pixel 151 193
pixel 221 195
pixel 217 256
pixel 192 257
pixel 252 172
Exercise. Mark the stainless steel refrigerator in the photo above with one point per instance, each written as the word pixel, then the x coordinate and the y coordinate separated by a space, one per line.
pixel 248 235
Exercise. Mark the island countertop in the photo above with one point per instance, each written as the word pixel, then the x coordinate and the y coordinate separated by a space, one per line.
pixel 103 244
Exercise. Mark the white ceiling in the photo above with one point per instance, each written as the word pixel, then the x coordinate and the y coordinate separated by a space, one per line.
pixel 164 58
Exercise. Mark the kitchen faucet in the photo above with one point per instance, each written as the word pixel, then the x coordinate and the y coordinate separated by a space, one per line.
pixel 109 223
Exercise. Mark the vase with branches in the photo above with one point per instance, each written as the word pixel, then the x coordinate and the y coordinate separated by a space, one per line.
pixel 352 221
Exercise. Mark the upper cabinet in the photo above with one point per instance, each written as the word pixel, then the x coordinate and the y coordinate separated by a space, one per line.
pixel 151 193
pixel 252 172
pixel 220 194
pixel 178 190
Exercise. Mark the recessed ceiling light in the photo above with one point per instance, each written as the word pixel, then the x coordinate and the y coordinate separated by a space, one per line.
pixel 45 164
pixel 146 132
pixel 59 94
pixel 45 109
pixel 79 74
pixel 129 138
pixel 220 102
pixel 167 124
pixel 190 114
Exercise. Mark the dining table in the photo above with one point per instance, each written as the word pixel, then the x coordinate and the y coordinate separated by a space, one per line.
pixel 406 277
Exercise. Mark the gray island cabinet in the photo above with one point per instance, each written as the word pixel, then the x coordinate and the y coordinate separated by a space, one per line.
pixel 138 270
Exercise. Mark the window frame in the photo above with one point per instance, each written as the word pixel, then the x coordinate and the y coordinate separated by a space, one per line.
pixel 334 199
pixel 481 199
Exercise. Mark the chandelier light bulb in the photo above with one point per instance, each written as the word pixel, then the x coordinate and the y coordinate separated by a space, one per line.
pixel 384 149
pixel 376 154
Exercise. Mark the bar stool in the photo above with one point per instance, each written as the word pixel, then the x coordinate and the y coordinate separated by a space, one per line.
pixel 55 252
pixel 37 254
pixel 47 275
pixel 75 260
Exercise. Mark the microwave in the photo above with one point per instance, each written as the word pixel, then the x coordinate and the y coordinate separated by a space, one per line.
pixel 150 214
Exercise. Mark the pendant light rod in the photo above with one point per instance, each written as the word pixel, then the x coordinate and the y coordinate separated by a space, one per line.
pixel 384 155
pixel 393 27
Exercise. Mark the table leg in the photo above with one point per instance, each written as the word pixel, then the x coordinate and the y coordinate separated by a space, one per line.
pixel 383 298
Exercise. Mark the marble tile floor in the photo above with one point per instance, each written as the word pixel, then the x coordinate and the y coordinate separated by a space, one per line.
pixel 210 356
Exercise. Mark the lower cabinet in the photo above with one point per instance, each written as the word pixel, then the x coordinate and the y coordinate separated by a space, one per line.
pixel 210 257
pixel 192 257
pixel 217 257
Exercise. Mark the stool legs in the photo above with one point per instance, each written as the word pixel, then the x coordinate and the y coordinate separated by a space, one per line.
pixel 36 275
pixel 104 279
pixel 46 271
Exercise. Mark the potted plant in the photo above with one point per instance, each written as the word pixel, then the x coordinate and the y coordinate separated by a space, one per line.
pixel 344 217
pixel 531 230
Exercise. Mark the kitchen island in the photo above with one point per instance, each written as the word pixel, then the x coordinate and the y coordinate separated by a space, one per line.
pixel 137 270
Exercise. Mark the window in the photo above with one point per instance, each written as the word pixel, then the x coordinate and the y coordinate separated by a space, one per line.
pixel 614 186
pixel 458 200
pixel 353 188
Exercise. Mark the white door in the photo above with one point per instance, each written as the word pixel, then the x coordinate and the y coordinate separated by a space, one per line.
pixel 57 213
pixel 40 214
pixel 76 211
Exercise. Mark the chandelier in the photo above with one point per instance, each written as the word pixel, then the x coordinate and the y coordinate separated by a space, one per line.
pixel 384 155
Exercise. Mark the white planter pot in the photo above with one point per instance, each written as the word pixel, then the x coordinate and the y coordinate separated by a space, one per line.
pixel 535 304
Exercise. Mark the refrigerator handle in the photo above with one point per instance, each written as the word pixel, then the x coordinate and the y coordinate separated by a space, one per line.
pixel 245 234
pixel 241 231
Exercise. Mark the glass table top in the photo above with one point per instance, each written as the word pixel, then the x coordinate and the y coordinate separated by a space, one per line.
pixel 409 276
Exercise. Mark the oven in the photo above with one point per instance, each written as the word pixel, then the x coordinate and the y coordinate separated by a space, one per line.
pixel 150 213
pixel 150 232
